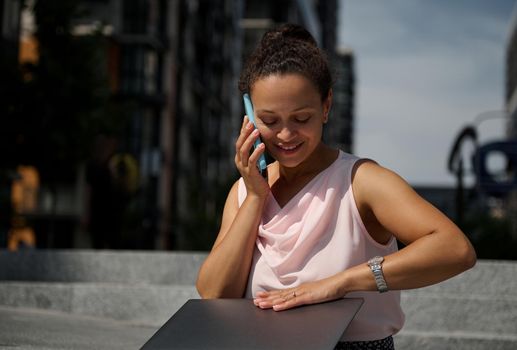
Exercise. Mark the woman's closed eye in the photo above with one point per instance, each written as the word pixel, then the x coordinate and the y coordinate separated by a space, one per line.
pixel 268 121
pixel 302 120
pixel 271 121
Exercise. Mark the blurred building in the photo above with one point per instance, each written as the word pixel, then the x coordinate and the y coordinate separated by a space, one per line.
pixel 511 76
pixel 215 37
pixel 511 109
pixel 142 67
pixel 177 64
pixel 339 130
pixel 137 62
pixel 10 12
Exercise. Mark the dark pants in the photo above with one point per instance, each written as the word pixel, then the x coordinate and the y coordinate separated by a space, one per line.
pixel 382 344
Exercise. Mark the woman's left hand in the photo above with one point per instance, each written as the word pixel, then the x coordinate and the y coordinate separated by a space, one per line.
pixel 308 293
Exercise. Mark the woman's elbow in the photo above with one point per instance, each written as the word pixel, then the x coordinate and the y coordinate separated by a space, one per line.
pixel 216 291
pixel 203 289
pixel 201 285
pixel 205 293
pixel 208 289
pixel 467 255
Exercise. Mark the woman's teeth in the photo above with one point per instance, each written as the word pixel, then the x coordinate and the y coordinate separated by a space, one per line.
pixel 288 148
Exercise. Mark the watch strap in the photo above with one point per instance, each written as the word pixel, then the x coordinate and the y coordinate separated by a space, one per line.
pixel 380 281
pixel 375 265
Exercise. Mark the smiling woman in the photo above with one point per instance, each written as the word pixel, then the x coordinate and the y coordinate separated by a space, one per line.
pixel 290 117
pixel 324 224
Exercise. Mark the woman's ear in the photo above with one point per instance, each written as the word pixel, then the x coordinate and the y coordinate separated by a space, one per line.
pixel 327 104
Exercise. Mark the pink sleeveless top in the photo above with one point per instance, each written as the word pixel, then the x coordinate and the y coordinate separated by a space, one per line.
pixel 317 234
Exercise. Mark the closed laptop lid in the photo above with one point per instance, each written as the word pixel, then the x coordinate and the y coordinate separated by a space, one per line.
pixel 239 324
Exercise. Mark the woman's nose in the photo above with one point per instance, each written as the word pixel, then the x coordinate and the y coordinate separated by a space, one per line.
pixel 286 134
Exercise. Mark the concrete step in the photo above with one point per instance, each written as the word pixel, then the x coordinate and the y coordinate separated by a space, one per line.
pixel 432 340
pixel 460 313
pixel 154 304
pixel 101 266
pixel 43 329
pixel 150 305
pixel 481 300
pixel 488 277
pixel 475 310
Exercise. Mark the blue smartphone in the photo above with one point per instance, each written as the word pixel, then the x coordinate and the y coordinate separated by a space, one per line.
pixel 248 107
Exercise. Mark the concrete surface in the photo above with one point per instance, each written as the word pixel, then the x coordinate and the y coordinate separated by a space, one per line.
pixel 65 298
pixel 101 266
pixel 22 328
pixel 432 340
pixel 142 304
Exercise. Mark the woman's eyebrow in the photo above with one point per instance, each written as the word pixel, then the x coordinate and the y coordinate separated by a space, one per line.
pixel 301 108
pixel 294 110
pixel 265 111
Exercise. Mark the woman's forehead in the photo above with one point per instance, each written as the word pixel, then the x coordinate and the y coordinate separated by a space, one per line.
pixel 282 89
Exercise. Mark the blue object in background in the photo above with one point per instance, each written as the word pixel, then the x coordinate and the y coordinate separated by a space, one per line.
pixel 496 184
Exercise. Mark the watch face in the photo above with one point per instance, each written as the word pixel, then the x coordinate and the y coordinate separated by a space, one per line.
pixel 376 260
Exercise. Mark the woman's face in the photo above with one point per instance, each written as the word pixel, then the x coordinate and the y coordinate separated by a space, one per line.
pixel 290 116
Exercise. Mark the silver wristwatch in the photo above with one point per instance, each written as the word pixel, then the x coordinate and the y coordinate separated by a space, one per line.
pixel 375 264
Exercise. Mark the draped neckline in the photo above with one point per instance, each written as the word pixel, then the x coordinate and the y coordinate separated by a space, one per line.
pixel 294 199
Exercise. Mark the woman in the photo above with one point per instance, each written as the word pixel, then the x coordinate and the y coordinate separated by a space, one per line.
pixel 324 224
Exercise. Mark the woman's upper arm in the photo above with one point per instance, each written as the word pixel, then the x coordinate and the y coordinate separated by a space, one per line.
pixel 395 205
pixel 231 207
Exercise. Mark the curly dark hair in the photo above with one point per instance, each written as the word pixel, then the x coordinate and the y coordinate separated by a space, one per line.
pixel 287 49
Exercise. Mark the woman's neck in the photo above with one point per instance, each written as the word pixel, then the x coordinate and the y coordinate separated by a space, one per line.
pixel 316 162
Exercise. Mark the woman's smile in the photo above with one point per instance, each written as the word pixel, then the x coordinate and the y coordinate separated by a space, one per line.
pixel 288 149
pixel 290 116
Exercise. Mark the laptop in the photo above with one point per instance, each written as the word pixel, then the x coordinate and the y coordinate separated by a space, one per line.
pixel 239 324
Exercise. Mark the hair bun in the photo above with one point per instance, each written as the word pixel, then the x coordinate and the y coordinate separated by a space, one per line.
pixel 289 31
pixel 287 49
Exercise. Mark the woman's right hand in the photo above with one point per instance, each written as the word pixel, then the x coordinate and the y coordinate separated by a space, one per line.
pixel 247 163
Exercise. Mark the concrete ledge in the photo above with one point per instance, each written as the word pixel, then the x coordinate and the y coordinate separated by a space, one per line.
pixel 22 328
pixel 143 305
pixel 450 314
pixel 488 277
pixel 475 310
pixel 431 340
pixel 101 266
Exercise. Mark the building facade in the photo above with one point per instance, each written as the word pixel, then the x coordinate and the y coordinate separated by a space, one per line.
pixel 511 77
pixel 511 110
pixel 176 65
pixel 10 14
pixel 215 38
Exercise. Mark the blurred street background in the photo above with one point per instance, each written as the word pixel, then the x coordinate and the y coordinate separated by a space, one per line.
pixel 119 117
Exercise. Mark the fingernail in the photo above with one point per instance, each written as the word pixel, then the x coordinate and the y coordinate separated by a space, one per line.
pixel 249 125
pixel 255 132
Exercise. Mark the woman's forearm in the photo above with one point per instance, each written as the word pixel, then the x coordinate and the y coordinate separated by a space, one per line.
pixel 429 260
pixel 224 274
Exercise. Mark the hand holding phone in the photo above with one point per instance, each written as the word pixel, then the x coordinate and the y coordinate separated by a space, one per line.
pixel 248 107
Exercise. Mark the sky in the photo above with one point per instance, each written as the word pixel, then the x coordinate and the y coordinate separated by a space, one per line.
pixel 424 70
